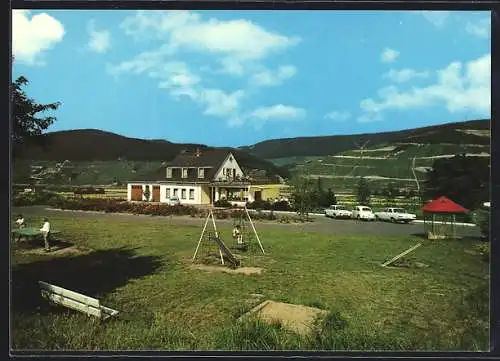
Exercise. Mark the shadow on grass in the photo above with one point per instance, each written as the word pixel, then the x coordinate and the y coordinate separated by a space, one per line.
pixel 32 244
pixel 94 274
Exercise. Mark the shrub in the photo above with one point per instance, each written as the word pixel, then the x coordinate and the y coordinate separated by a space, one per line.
pixel 284 219
pixel 260 204
pixel 271 216
pixel 38 198
pixel 281 206
pixel 221 214
pixel 222 203
pixel 115 206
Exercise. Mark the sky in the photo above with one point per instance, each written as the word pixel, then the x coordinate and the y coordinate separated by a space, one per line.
pixel 234 78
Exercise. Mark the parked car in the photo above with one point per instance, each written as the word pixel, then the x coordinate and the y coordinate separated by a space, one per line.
pixel 338 211
pixel 395 215
pixel 363 213
pixel 173 201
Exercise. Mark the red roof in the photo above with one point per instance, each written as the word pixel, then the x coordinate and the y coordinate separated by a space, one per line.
pixel 443 205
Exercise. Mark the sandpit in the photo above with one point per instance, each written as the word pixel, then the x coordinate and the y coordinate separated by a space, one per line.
pixel 296 318
pixel 239 270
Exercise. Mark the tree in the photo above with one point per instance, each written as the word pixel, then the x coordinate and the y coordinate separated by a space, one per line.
pixel 27 125
pixel 331 197
pixel 302 195
pixel 391 192
pixel 363 192
pixel 465 180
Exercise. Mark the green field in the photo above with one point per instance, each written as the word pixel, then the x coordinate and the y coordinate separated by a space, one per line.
pixel 139 266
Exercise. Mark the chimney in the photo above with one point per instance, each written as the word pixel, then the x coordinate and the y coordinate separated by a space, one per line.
pixel 198 152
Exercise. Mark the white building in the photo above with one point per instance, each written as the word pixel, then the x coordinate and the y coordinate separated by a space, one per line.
pixel 196 178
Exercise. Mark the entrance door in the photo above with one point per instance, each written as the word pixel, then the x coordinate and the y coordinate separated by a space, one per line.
pixel 258 195
pixel 136 194
pixel 156 193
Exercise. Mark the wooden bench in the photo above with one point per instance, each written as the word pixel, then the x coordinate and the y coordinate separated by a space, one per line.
pixel 75 301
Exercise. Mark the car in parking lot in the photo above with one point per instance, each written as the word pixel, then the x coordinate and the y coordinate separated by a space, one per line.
pixel 338 211
pixel 394 214
pixel 363 213
pixel 173 201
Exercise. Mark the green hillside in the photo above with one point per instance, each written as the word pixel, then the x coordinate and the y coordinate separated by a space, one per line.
pixel 399 163
pixel 91 156
pixel 95 157
pixel 470 132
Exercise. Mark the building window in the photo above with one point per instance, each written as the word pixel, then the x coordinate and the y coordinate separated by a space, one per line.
pixel 191 194
pixel 184 172
pixel 167 193
pixel 176 192
pixel 169 172
pixel 201 173
pixel 183 194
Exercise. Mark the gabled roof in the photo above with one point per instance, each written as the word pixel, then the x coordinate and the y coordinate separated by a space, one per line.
pixel 211 159
pixel 207 158
pixel 443 205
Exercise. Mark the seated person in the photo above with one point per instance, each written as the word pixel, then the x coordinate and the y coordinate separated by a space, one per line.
pixel 20 224
pixel 20 221
pixel 237 234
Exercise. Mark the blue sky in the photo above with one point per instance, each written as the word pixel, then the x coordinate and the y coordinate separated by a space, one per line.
pixel 238 77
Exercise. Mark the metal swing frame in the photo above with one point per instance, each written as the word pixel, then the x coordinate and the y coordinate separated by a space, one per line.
pixel 211 216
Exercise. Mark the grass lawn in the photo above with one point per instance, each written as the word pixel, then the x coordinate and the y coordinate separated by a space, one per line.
pixel 139 266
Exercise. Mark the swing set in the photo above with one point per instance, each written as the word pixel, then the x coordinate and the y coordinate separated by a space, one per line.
pixel 242 238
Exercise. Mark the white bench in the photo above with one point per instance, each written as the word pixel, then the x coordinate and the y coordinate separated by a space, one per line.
pixel 75 301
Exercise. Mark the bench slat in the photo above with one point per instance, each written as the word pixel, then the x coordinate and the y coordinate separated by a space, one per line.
pixel 78 297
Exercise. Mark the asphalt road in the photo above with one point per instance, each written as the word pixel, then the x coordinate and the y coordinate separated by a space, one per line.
pixel 321 224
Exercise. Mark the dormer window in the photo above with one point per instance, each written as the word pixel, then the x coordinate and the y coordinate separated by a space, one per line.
pixel 201 173
pixel 169 172
pixel 184 172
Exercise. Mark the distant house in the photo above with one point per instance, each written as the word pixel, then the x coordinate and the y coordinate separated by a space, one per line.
pixel 202 178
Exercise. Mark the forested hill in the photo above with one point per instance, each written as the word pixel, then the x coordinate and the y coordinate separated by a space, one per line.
pixel 452 133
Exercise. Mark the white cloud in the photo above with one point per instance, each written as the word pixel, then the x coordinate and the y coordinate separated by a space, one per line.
pixel 267 77
pixel 389 55
pixel 238 46
pixel 186 30
pixel 100 41
pixel 459 87
pixel 339 116
pixel 404 75
pixel 232 66
pixel 436 18
pixel 33 36
pixel 219 103
pixel 481 28
pixel 278 112
pixel 180 81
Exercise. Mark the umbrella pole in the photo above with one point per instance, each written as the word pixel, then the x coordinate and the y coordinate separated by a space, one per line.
pixel 453 227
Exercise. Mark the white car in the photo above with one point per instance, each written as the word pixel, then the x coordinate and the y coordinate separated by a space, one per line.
pixel 173 201
pixel 363 213
pixel 395 215
pixel 338 211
